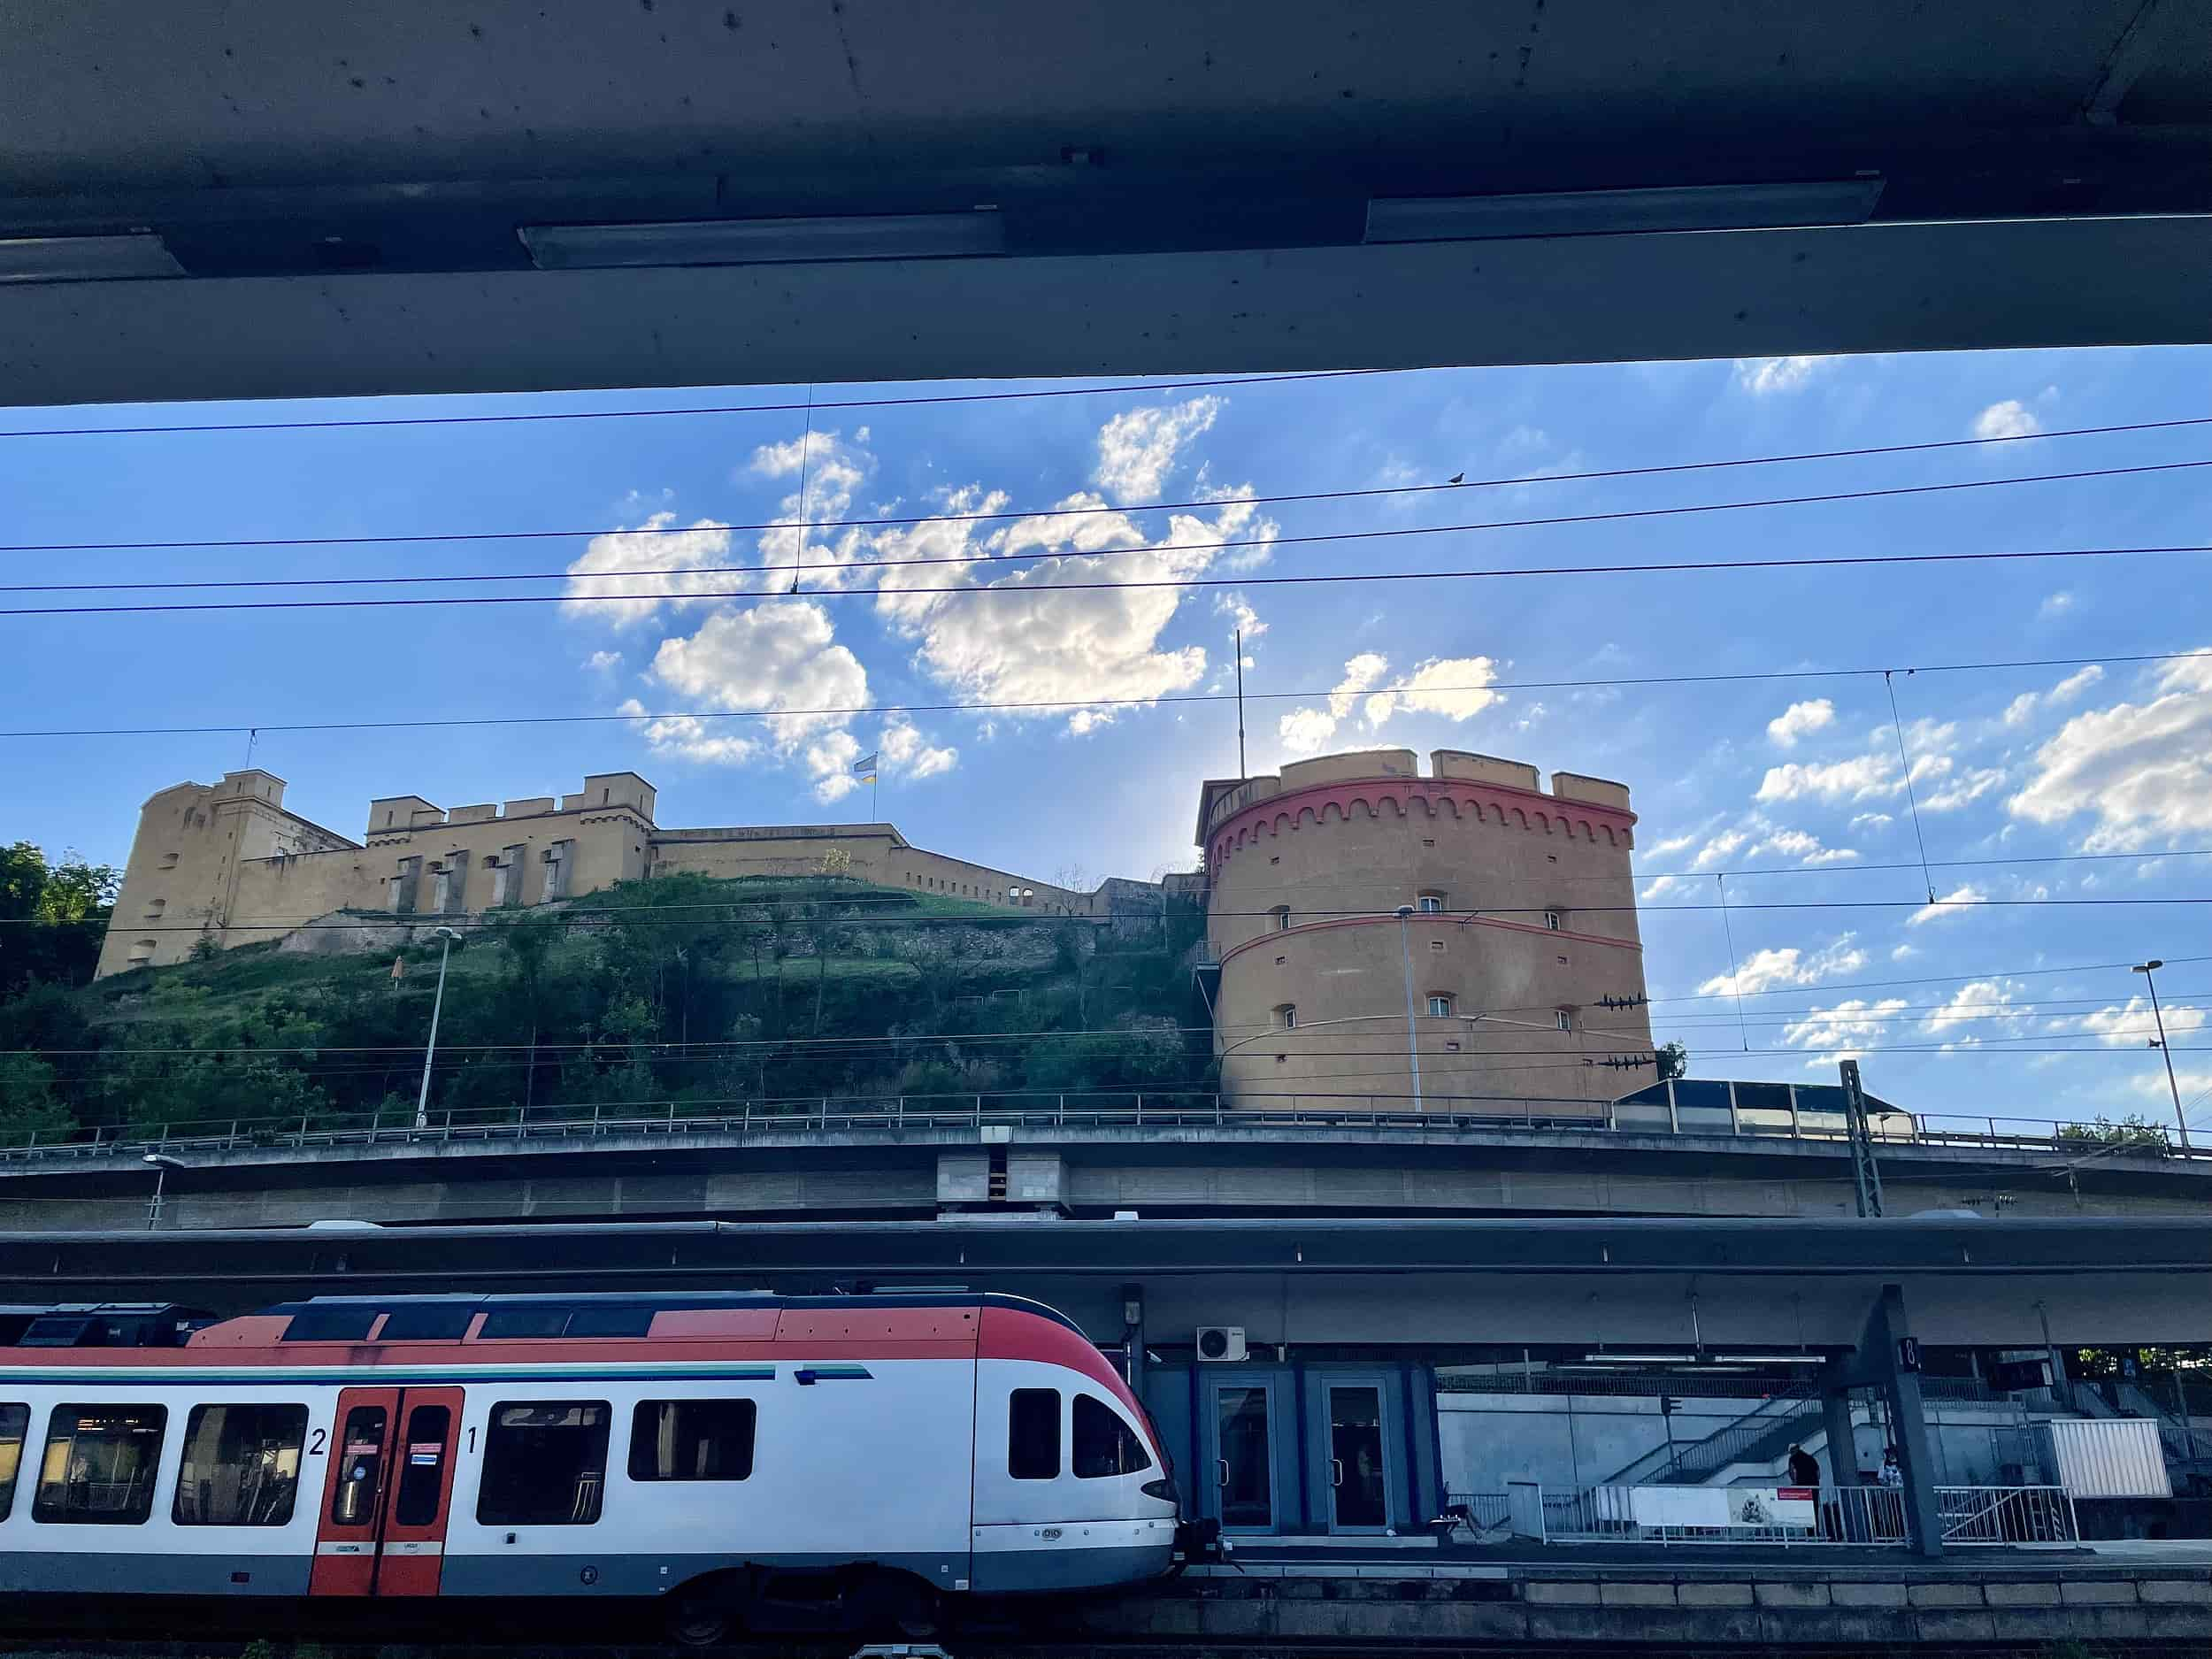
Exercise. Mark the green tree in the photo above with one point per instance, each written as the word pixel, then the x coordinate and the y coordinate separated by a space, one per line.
pixel 68 905
pixel 28 1105
pixel 1674 1061
pixel 2131 1130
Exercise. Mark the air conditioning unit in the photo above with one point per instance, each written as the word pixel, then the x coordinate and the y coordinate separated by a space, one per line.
pixel 1220 1344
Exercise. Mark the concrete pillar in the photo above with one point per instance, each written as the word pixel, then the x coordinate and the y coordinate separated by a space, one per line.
pixel 1908 1427
pixel 1133 1333
pixel 1843 1459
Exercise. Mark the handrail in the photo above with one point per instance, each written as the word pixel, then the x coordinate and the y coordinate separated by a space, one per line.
pixel 1095 1109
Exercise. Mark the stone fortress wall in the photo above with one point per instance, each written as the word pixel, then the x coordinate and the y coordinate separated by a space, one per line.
pixel 229 861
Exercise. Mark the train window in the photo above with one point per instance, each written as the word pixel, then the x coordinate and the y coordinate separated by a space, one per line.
pixel 99 1464
pixel 362 1445
pixel 430 1322
pixel 422 1465
pixel 240 1465
pixel 512 1322
pixel 1104 1444
pixel 15 1422
pixel 610 1322
pixel 1033 1434
pixel 331 1324
pixel 692 1439
pixel 545 1464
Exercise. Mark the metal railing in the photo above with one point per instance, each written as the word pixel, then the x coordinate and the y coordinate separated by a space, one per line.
pixel 1096 1108
pixel 1858 1516
pixel 1870 1517
pixel 2006 1515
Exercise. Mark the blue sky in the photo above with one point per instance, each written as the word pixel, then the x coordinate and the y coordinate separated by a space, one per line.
pixel 1955 1008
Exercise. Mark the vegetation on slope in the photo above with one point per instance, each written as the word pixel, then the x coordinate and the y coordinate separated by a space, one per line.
pixel 677 988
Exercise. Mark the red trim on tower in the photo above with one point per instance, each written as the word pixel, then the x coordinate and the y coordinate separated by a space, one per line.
pixel 1499 798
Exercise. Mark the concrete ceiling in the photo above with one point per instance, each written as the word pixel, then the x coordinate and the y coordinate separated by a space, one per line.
pixel 1181 186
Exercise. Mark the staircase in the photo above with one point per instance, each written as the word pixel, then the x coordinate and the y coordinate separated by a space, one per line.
pixel 2188 1448
pixel 1762 1434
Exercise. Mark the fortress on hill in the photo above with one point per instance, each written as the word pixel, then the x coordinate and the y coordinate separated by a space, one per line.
pixel 1373 933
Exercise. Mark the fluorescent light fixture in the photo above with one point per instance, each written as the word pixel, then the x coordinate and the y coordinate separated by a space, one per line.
pixel 1620 212
pixel 1640 1359
pixel 1770 1359
pixel 765 241
pixel 134 255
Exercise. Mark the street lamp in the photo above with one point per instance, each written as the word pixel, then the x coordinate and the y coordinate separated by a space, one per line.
pixel 2144 968
pixel 1413 1046
pixel 163 1164
pixel 422 1101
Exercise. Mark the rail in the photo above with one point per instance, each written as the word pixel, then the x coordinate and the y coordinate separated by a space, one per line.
pixel 1102 1109
pixel 2007 1514
pixel 1791 1517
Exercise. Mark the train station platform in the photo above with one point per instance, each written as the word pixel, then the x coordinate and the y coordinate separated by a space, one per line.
pixel 1707 1599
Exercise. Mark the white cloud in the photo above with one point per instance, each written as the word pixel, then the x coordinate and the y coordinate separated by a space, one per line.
pixel 1724 845
pixel 2143 769
pixel 1904 953
pixel 1951 903
pixel 1242 619
pixel 829 762
pixel 826 475
pixel 687 738
pixel 1788 966
pixel 780 653
pixel 1763 376
pixel 1672 845
pixel 2135 1026
pixel 910 755
pixel 1968 786
pixel 1840 1032
pixel 603 661
pixel 1139 448
pixel 1453 687
pixel 1871 820
pixel 2022 708
pixel 1802 845
pixel 1979 1004
pixel 1662 885
pixel 1852 780
pixel 660 559
pixel 2011 419
pixel 1800 719
pixel 2056 605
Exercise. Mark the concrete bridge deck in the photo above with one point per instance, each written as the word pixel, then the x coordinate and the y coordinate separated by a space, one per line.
pixel 888 1165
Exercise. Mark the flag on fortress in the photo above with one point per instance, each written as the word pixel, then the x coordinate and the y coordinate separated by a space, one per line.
pixel 864 768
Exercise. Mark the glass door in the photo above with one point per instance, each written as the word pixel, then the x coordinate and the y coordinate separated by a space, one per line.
pixel 1244 1473
pixel 1359 1476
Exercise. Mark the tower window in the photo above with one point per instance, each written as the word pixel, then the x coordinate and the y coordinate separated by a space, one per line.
pixel 1566 1019
pixel 1432 903
pixel 1280 917
pixel 1551 920
pixel 1286 1017
pixel 1439 1008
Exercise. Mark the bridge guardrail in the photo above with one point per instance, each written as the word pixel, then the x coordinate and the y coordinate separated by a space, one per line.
pixel 1104 1110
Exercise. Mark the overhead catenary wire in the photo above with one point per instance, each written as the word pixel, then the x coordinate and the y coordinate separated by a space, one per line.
pixel 838 567
pixel 1060 510
pixel 1041 704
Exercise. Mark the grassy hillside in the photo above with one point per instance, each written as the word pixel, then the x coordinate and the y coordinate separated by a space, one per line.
pixel 679 988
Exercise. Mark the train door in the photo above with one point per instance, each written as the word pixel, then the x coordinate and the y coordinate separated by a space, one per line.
pixel 390 1493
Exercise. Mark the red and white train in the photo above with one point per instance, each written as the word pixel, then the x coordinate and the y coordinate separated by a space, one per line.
pixel 719 1453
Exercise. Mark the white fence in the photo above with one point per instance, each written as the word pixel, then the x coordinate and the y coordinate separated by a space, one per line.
pixel 2007 1514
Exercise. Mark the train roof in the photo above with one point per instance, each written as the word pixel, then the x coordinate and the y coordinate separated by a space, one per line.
pixel 582 1314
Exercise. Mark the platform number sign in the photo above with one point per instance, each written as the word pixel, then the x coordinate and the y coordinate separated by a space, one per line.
pixel 1907 1353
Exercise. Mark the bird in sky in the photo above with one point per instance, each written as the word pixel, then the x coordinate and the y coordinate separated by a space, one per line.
pixel 1457 477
